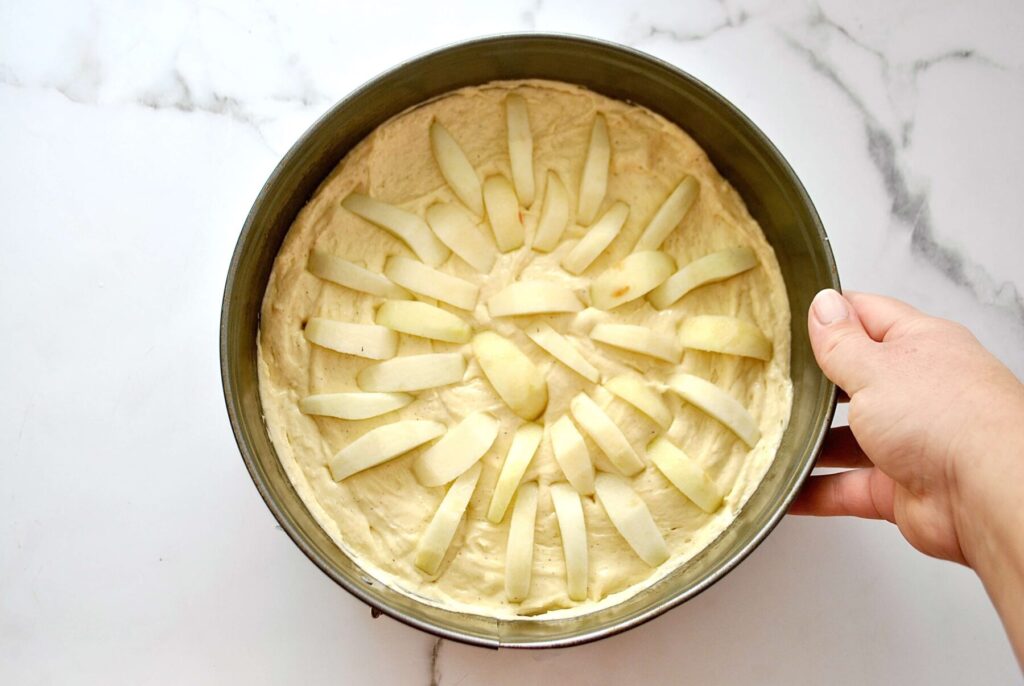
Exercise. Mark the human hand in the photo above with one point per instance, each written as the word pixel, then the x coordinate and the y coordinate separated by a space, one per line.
pixel 935 425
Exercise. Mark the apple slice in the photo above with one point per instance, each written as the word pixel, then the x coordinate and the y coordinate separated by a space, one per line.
pixel 457 230
pixel 572 456
pixel 431 283
pixel 729 335
pixel 598 237
pixel 420 319
pixel 461 448
pixel 639 339
pixel 456 168
pixel 632 388
pixel 685 474
pixel 631 278
pixel 712 268
pixel 365 340
pixel 403 225
pixel 503 213
pixel 524 446
pixel 515 378
pixel 533 297
pixel 519 551
pixel 413 373
pixel 344 273
pixel 554 215
pixel 382 444
pixel 559 347
pixel 715 402
pixel 520 147
pixel 573 529
pixel 437 537
pixel 594 180
pixel 609 438
pixel 353 406
pixel 631 517
pixel 669 215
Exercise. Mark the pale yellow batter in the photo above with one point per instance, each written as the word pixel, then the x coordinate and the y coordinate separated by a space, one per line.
pixel 378 515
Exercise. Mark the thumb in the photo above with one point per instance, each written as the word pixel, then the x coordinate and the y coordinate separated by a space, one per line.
pixel 843 348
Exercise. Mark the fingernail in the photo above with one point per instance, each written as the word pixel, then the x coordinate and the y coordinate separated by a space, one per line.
pixel 829 307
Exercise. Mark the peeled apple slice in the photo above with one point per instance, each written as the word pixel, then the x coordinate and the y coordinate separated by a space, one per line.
pixel 461 448
pixel 717 266
pixel 456 168
pixel 685 474
pixel 715 402
pixel 344 273
pixel 632 388
pixel 503 213
pixel 669 215
pixel 434 542
pixel 519 551
pixel 598 237
pixel 403 225
pixel 729 335
pixel 421 319
pixel 573 529
pixel 520 147
pixel 632 278
pixel 365 340
pixel 515 378
pixel 594 181
pixel 431 283
pixel 353 406
pixel 638 339
pixel 524 446
pixel 533 297
pixel 631 517
pixel 554 215
pixel 457 230
pixel 609 438
pixel 382 444
pixel 572 456
pixel 559 347
pixel 413 373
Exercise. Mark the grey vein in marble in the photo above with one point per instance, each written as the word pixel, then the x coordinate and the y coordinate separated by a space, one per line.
pixel 435 667
pixel 910 207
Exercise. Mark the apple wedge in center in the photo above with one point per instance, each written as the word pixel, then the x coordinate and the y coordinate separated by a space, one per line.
pixel 461 448
pixel 431 283
pixel 519 551
pixel 573 529
pixel 434 542
pixel 715 402
pixel 524 446
pixel 402 224
pixel 728 335
pixel 420 319
pixel 572 455
pixel 382 444
pixel 632 519
pixel 413 373
pixel 609 438
pixel 515 378
pixel 631 278
pixel 364 340
pixel 533 297
pixel 638 339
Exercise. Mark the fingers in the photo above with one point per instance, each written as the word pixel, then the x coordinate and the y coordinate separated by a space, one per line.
pixel 865 493
pixel 842 450
pixel 842 347
pixel 879 313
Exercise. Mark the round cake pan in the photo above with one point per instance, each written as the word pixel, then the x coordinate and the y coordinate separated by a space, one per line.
pixel 740 152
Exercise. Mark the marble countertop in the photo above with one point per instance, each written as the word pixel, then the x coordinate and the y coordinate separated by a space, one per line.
pixel 134 137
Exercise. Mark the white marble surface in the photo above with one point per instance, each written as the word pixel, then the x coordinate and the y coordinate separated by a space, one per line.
pixel 135 135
